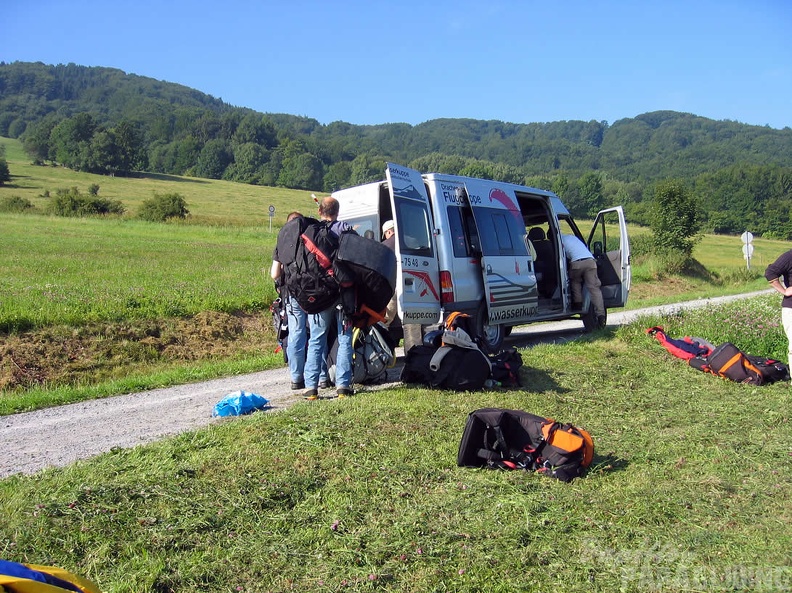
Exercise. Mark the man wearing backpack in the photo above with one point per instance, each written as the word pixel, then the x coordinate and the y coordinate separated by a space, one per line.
pixel 782 268
pixel 297 320
pixel 320 323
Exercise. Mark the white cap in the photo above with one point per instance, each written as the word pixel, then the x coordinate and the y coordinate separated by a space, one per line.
pixel 387 226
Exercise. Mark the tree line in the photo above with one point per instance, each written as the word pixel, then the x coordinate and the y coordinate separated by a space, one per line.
pixel 105 121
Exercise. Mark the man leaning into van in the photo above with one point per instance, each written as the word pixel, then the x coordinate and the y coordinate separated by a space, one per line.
pixel 583 270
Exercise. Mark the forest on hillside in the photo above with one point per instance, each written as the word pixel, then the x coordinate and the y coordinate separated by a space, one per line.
pixel 103 120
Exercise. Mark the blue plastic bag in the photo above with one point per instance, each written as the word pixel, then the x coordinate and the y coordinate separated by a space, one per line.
pixel 239 403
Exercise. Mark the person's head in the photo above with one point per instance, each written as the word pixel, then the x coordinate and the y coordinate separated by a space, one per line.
pixel 328 208
pixel 292 216
pixel 387 229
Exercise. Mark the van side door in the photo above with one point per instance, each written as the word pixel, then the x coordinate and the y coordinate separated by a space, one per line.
pixel 609 243
pixel 510 288
pixel 418 277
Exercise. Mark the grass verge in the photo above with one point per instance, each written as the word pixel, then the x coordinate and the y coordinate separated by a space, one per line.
pixel 690 489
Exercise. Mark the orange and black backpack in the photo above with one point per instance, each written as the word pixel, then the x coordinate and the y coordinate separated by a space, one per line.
pixel 514 439
pixel 729 362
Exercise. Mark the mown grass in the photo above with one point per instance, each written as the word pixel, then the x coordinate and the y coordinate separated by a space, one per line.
pixel 81 270
pixel 689 490
pixel 210 202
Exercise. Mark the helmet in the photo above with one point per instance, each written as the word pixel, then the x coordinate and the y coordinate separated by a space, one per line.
pixel 434 338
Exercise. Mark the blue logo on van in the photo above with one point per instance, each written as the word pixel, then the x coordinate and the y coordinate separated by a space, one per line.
pixel 408 192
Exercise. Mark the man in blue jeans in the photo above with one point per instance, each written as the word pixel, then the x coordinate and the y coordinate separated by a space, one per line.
pixel 298 326
pixel 320 323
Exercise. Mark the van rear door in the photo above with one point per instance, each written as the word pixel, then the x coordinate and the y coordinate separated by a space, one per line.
pixel 610 245
pixel 418 277
pixel 509 279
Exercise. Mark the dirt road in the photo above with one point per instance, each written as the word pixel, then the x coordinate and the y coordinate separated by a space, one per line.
pixel 32 441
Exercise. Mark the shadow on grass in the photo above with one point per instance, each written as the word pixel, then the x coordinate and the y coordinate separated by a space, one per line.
pixel 165 177
pixel 602 464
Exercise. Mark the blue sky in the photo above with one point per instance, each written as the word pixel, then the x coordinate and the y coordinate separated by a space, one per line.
pixel 371 62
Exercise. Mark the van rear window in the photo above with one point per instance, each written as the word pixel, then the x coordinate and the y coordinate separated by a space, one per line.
pixel 414 228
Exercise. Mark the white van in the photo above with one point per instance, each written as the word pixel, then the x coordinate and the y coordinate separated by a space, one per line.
pixel 465 244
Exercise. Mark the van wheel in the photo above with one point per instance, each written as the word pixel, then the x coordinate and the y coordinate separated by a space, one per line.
pixel 492 336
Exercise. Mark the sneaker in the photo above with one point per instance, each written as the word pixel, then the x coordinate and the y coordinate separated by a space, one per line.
pixel 602 321
pixel 344 392
pixel 298 385
pixel 311 394
pixel 324 384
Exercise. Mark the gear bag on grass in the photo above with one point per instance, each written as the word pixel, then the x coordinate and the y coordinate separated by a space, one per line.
pixel 373 354
pixel 506 367
pixel 728 361
pixel 458 363
pixel 514 439
pixel 448 367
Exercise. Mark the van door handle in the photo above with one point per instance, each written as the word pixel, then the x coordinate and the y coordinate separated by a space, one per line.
pixel 408 281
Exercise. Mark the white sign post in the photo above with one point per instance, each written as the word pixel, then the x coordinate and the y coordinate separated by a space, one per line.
pixel 747 248
pixel 271 215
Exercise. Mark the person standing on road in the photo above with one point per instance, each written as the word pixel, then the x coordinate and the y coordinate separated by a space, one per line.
pixel 319 323
pixel 583 270
pixel 782 268
pixel 297 320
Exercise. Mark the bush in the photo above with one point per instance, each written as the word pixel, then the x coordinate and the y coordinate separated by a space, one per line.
pixel 162 207
pixel 15 204
pixel 72 203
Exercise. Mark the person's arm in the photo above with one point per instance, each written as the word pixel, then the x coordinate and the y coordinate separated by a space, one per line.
pixel 276 270
pixel 778 287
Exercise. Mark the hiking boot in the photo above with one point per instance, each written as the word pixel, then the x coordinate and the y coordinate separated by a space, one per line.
pixel 602 321
pixel 344 392
pixel 324 384
pixel 298 385
pixel 311 394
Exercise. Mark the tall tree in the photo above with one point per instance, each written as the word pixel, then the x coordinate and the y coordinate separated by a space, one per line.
pixel 675 220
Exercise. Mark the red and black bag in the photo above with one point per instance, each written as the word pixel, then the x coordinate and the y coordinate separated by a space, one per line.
pixel 728 361
pixel 514 439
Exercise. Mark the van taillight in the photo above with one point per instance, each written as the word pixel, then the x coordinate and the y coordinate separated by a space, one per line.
pixel 446 287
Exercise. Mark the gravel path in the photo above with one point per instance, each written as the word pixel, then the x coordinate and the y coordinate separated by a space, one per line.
pixel 32 441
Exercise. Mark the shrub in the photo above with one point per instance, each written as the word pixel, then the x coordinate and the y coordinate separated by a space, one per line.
pixel 162 207
pixel 72 203
pixel 15 204
pixel 94 189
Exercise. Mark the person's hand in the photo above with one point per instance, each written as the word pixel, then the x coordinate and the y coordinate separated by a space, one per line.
pixel 788 291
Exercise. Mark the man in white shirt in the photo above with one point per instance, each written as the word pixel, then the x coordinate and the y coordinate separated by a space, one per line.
pixel 583 270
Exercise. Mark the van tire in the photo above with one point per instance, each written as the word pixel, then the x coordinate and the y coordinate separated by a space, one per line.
pixel 492 336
